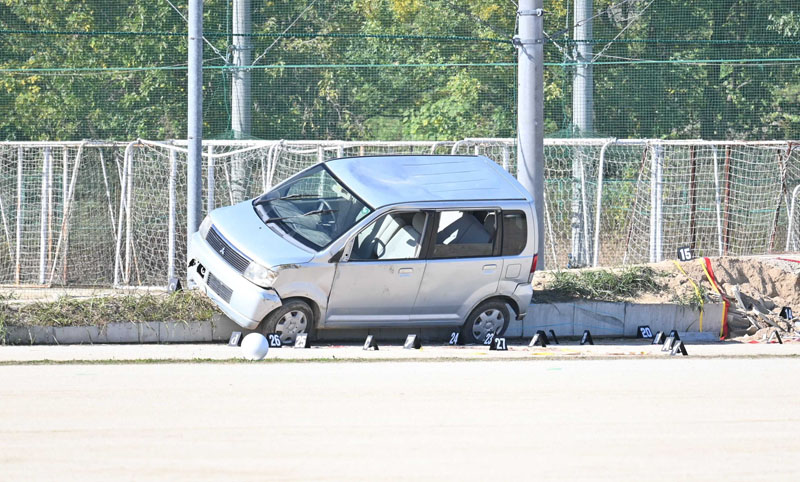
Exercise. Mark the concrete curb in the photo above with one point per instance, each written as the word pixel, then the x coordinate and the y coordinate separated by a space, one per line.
pixel 566 319
pixel 603 318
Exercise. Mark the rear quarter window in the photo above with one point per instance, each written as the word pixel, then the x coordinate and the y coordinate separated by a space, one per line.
pixel 515 232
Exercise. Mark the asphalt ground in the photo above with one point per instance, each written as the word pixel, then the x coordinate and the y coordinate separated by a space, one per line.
pixel 629 418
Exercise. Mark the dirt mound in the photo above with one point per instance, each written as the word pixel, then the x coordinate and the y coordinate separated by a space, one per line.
pixel 765 284
pixel 773 281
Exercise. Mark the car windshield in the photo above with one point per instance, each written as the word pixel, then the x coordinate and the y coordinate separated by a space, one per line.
pixel 313 208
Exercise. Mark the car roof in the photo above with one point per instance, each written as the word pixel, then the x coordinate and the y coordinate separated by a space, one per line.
pixel 393 179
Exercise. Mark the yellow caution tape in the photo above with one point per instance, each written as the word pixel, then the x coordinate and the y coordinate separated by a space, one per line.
pixel 696 290
pixel 713 282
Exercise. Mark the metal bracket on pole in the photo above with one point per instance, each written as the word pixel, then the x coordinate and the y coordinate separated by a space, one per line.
pixel 536 12
pixel 518 42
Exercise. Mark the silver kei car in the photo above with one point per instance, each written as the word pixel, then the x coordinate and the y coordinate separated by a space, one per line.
pixel 365 242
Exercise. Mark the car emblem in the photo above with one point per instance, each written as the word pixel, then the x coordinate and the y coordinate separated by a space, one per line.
pixel 222 251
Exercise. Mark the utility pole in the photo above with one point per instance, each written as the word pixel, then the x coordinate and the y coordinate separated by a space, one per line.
pixel 242 58
pixel 530 109
pixel 582 83
pixel 194 134
pixel 241 99
pixel 582 100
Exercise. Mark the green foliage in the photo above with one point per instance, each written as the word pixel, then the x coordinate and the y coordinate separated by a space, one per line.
pixel 691 298
pixel 605 285
pixel 397 69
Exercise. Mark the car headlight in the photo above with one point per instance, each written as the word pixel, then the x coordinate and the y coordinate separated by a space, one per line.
pixel 205 226
pixel 260 275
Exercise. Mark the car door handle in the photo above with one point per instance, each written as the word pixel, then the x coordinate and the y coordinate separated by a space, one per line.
pixel 489 268
pixel 405 271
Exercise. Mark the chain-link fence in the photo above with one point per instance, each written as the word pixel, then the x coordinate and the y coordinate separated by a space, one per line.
pixel 115 213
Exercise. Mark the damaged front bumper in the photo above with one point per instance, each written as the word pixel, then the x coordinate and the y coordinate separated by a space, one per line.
pixel 241 300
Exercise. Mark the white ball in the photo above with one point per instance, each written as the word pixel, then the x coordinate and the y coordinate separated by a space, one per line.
pixel 255 346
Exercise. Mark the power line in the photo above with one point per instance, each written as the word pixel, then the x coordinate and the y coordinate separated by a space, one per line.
pixel 216 51
pixel 286 30
pixel 754 61
pixel 630 22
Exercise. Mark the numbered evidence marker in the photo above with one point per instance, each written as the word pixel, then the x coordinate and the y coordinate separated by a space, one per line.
pixel 671 340
pixel 539 339
pixel 786 313
pixel 370 344
pixel 679 348
pixel 274 340
pixel 301 341
pixel 455 339
pixel 644 332
pixel 685 253
pixel 775 335
pixel 487 340
pixel 174 285
pixel 658 339
pixel 235 339
pixel 412 342
pixel 498 344
pixel 587 338
pixel 553 337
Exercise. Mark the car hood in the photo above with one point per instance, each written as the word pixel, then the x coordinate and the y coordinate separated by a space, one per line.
pixel 241 227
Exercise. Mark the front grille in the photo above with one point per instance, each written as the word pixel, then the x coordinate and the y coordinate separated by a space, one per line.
pixel 228 252
pixel 219 288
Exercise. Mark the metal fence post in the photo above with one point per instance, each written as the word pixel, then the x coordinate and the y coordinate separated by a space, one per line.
pixel 656 202
pixel 173 174
pixel 717 199
pixel 18 267
pixel 210 181
pixel 598 202
pixel 43 220
pixel 129 220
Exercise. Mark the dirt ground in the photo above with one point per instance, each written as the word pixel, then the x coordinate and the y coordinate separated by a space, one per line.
pixel 766 284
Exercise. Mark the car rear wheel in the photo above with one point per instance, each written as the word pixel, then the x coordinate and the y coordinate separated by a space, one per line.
pixel 488 317
pixel 288 321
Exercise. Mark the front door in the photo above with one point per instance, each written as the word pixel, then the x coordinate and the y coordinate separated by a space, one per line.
pixel 379 282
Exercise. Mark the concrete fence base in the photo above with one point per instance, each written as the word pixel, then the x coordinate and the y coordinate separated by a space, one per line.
pixel 566 319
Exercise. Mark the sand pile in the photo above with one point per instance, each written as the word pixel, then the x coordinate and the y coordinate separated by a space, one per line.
pixel 765 285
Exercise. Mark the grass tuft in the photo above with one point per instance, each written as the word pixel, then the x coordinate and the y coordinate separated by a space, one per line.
pixel 99 311
pixel 605 285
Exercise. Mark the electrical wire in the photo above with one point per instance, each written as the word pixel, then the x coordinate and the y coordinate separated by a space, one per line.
pixel 216 51
pixel 630 22
pixel 284 32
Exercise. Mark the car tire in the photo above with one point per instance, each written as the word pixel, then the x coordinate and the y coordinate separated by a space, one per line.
pixel 291 319
pixel 489 316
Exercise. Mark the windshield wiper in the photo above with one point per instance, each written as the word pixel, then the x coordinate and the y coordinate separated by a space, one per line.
pixel 298 196
pixel 262 200
pixel 316 211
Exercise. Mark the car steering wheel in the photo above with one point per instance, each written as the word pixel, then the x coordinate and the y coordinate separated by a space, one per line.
pixel 331 221
pixel 379 248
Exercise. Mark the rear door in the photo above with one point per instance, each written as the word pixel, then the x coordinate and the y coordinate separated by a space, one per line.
pixel 463 265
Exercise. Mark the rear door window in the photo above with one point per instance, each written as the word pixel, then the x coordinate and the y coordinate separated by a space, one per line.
pixel 465 234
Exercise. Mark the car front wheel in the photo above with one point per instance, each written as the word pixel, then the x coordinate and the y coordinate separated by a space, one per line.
pixel 288 321
pixel 488 317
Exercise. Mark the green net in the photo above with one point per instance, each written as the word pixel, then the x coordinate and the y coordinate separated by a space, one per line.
pixel 397 69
